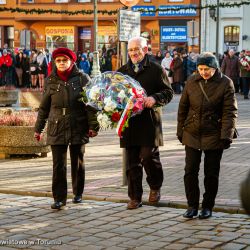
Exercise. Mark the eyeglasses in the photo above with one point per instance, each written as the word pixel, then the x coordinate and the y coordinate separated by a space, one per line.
pixel 136 50
pixel 61 60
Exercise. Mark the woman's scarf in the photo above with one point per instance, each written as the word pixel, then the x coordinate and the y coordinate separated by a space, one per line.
pixel 64 75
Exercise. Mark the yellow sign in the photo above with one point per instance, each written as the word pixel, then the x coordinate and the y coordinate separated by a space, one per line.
pixel 107 31
pixel 59 31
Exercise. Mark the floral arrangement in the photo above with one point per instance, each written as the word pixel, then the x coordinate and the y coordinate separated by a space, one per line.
pixel 117 97
pixel 245 62
pixel 17 118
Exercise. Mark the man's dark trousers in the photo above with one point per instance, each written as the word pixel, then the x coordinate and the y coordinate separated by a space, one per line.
pixel 211 172
pixel 138 157
pixel 59 180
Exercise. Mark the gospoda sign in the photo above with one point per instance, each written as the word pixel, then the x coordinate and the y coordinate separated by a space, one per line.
pixel 173 33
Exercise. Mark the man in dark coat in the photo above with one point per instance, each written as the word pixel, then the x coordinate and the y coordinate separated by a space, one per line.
pixel 206 122
pixel 230 67
pixel 144 134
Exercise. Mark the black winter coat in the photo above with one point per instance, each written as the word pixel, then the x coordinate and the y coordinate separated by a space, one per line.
pixel 145 129
pixel 69 120
pixel 202 124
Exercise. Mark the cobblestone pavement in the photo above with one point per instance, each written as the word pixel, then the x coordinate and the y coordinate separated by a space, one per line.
pixel 104 167
pixel 28 223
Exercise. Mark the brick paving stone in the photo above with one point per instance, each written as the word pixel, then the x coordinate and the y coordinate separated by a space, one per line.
pixel 208 244
pixel 233 246
pixel 176 246
pixel 243 241
pixel 189 241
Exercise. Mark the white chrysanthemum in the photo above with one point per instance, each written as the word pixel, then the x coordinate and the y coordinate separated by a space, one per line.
pixel 109 105
pixel 94 93
pixel 122 95
pixel 103 121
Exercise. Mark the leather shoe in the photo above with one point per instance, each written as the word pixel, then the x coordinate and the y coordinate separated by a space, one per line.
pixel 205 213
pixel 134 204
pixel 58 204
pixel 155 195
pixel 77 199
pixel 190 213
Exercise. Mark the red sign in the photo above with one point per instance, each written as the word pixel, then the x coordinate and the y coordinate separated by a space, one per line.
pixel 129 3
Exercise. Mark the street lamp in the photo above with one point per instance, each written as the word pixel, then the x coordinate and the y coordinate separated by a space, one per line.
pixel 96 67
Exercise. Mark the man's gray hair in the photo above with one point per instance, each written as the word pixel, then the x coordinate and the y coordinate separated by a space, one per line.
pixel 141 40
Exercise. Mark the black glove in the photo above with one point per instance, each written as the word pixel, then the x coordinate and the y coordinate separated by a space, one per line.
pixel 180 139
pixel 226 143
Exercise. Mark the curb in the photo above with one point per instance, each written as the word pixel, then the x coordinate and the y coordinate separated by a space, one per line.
pixel 177 205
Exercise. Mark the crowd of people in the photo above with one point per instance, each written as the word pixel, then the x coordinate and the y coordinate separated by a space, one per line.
pixel 179 65
pixel 24 68
pixel 28 69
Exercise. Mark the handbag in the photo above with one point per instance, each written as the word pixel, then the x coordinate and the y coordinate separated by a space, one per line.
pixel 236 133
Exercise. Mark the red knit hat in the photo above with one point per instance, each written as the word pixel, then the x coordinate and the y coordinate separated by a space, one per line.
pixel 64 52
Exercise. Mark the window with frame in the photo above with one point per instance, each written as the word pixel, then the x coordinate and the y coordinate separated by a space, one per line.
pixel 84 1
pixel 2 1
pixel 231 34
pixel 30 1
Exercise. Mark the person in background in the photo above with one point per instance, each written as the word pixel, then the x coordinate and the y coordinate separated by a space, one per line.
pixel 191 64
pixel 206 124
pixel 158 57
pixel 178 73
pixel 70 124
pixel 230 67
pixel 84 65
pixel 245 73
pixel 5 65
pixel 19 70
pixel 33 68
pixel 143 136
pixel 26 71
pixel 42 68
pixel 166 62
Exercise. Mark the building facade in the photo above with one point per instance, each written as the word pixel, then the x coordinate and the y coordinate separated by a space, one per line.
pixel 233 25
pixel 166 29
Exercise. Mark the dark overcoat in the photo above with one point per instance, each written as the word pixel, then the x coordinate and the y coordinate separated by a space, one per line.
pixel 69 120
pixel 230 66
pixel 202 124
pixel 145 129
pixel 177 68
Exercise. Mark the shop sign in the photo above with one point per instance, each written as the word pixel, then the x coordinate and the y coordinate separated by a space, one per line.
pixel 174 11
pixel 85 34
pixel 173 34
pixel 129 24
pixel 149 10
pixel 59 31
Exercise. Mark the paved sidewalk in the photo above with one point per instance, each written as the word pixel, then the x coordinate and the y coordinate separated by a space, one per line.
pixel 28 223
pixel 104 171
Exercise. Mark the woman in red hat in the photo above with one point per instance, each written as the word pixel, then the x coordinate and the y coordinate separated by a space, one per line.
pixel 70 123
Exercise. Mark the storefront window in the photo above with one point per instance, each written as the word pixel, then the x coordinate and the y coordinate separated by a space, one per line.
pixel 59 36
pixel 231 34
pixel 107 37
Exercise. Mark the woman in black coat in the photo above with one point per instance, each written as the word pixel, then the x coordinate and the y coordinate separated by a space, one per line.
pixel 70 123
pixel 206 122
